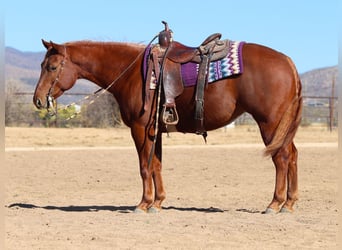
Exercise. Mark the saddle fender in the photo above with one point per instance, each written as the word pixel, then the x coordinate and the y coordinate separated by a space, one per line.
pixel 172 81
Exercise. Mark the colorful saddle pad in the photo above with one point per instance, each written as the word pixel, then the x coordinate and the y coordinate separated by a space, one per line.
pixel 228 66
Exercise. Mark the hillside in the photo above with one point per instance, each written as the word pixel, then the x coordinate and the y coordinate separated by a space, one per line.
pixel 24 68
pixel 319 82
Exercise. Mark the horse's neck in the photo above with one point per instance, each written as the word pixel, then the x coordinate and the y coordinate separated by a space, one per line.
pixel 103 63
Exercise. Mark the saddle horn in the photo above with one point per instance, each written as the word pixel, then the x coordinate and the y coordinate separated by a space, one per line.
pixel 165 36
pixel 166 25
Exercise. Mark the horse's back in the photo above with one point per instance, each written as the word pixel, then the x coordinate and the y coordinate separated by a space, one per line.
pixel 259 60
pixel 269 78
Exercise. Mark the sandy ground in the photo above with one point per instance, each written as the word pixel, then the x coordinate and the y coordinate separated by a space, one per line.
pixel 77 188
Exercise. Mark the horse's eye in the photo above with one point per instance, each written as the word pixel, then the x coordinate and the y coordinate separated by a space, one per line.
pixel 51 68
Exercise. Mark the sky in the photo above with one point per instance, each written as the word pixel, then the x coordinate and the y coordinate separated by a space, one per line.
pixel 307 31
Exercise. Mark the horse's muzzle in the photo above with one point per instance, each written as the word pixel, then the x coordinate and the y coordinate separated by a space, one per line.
pixel 38 103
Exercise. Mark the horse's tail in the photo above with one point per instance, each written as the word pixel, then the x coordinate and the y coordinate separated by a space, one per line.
pixel 289 122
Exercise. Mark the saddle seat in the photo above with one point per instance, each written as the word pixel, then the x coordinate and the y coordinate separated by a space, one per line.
pixel 180 53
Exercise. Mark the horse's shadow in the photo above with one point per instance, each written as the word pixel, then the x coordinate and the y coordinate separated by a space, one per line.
pixel 72 208
pixel 119 209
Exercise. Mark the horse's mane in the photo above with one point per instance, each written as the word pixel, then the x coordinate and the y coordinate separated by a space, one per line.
pixel 90 43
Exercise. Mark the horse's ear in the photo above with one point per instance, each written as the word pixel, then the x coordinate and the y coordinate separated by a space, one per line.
pixel 59 48
pixel 46 44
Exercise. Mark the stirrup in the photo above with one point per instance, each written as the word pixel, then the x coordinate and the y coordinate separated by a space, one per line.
pixel 170 115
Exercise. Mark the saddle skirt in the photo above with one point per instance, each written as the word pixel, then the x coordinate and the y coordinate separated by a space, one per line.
pixel 230 65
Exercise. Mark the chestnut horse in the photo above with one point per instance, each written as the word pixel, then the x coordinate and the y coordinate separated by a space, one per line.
pixel 269 89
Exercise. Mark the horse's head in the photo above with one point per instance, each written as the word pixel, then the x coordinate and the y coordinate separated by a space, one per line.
pixel 58 74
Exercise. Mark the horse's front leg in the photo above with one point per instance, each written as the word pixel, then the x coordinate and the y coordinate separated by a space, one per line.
pixel 143 146
pixel 157 176
pixel 149 171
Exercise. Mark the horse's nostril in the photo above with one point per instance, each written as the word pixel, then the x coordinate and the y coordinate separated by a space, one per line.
pixel 38 103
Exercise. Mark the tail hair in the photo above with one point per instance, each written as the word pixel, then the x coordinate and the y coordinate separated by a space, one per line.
pixel 287 128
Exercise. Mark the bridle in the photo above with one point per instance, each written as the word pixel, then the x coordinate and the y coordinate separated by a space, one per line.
pixel 50 107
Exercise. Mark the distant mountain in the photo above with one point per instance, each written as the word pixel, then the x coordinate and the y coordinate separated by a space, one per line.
pixel 319 82
pixel 26 60
pixel 24 68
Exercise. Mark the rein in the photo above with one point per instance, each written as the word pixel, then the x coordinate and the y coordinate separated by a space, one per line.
pixel 159 80
pixel 98 93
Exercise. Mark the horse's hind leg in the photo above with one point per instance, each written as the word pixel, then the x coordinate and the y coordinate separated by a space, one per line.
pixel 292 180
pixel 286 186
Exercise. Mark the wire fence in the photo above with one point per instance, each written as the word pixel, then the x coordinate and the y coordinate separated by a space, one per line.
pixel 20 111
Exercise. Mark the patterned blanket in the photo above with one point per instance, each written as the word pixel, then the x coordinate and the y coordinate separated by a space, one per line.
pixel 228 66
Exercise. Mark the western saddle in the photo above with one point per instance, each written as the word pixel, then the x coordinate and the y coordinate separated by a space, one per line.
pixel 165 60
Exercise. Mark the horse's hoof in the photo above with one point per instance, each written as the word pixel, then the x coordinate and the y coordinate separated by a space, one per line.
pixel 139 211
pixel 286 210
pixel 269 211
pixel 153 210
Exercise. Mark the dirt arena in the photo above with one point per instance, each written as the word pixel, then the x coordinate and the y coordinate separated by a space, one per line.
pixel 77 188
